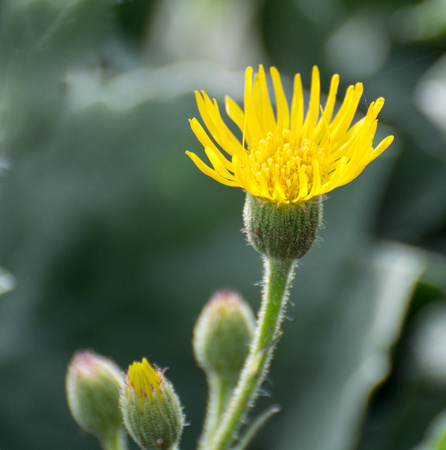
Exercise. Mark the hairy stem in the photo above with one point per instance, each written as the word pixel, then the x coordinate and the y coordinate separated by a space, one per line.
pixel 278 275
pixel 219 392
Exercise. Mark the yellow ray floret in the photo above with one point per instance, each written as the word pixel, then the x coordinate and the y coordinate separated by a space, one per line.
pixel 284 157
pixel 144 380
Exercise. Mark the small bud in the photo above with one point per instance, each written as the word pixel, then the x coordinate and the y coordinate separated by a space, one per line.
pixel 92 385
pixel 282 231
pixel 151 409
pixel 222 334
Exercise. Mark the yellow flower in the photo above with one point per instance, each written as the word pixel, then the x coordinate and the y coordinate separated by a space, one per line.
pixel 285 158
pixel 144 380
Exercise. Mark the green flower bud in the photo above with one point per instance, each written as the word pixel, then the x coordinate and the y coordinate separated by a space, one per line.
pixel 93 383
pixel 222 334
pixel 151 409
pixel 282 231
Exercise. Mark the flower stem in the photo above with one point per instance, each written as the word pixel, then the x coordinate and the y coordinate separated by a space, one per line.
pixel 278 275
pixel 116 441
pixel 219 392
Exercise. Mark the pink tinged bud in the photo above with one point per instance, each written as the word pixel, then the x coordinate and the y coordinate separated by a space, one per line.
pixel 223 333
pixel 93 383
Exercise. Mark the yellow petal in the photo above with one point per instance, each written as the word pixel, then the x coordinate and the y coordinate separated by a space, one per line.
pixel 297 106
pixel 210 172
pixel 313 109
pixel 268 120
pixel 283 113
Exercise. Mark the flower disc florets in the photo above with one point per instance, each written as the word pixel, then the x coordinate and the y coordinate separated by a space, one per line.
pixel 281 161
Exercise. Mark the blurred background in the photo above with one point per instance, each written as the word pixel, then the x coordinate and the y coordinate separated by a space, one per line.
pixel 111 239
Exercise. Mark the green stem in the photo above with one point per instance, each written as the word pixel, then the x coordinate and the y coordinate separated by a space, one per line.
pixel 278 275
pixel 219 392
pixel 117 441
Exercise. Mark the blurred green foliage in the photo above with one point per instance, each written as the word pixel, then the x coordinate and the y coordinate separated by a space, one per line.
pixel 116 241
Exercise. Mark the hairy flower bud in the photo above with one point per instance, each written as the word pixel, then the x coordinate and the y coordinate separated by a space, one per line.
pixel 222 334
pixel 282 231
pixel 151 409
pixel 92 385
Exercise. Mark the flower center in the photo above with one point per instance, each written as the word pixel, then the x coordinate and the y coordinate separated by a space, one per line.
pixel 281 160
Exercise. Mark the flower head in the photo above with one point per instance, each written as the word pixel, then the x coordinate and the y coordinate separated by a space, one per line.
pixel 284 157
